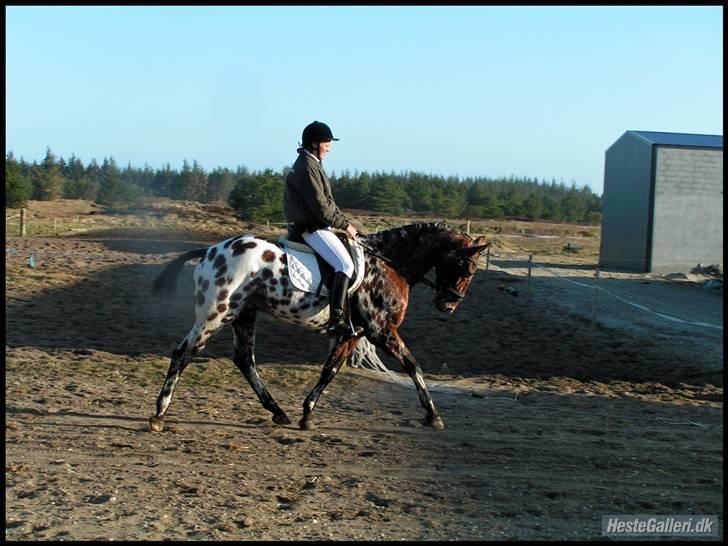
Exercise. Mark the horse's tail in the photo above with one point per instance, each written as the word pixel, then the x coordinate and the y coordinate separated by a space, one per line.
pixel 166 282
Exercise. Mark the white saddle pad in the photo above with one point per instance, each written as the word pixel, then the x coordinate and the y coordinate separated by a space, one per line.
pixel 304 271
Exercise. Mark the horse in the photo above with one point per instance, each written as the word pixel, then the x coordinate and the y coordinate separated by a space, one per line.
pixel 245 274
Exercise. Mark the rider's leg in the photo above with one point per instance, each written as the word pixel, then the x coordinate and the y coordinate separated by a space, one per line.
pixel 330 248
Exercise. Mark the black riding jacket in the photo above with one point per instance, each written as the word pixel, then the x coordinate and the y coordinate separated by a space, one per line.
pixel 307 197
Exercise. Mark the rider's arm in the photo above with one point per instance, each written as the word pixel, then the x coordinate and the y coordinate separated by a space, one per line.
pixel 320 201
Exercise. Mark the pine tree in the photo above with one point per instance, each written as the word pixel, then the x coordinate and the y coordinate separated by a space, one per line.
pixel 164 182
pixel 420 194
pixel 18 188
pixel 77 184
pixel 533 207
pixel 48 181
pixel 573 208
pixel 74 169
pixel 146 180
pixel 385 195
pixel 220 183
pixel 114 192
pixel 191 184
pixel 551 207
pixel 259 197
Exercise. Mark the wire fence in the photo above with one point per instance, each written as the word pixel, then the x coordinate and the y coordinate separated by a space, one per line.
pixel 529 264
pixel 29 226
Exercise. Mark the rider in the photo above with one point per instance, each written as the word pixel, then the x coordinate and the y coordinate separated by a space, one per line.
pixel 311 212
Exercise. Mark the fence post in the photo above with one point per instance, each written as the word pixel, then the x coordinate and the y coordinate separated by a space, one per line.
pixel 22 223
pixel 594 301
pixel 54 225
pixel 467 227
pixel 267 224
pixel 528 283
pixel 487 258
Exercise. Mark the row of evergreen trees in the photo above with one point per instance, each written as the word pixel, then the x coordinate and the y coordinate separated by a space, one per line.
pixel 108 184
pixel 481 197
pixel 258 195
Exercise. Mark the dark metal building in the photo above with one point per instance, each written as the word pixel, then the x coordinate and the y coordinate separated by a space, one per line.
pixel 662 207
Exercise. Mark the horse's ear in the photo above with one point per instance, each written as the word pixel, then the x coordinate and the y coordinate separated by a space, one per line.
pixel 479 245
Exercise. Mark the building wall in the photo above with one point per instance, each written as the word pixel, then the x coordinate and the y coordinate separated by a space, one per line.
pixel 626 204
pixel 688 209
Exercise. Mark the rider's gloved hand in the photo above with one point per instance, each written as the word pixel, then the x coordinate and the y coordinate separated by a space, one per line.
pixel 351 232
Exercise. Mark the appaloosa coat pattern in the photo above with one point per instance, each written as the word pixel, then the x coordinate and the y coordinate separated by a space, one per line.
pixel 244 274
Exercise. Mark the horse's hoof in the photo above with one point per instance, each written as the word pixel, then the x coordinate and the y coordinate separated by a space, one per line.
pixel 156 424
pixel 306 424
pixel 281 419
pixel 436 422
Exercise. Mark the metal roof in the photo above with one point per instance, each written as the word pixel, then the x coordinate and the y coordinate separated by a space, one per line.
pixel 681 139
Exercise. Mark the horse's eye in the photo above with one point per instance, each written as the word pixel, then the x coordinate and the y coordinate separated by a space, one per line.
pixel 465 268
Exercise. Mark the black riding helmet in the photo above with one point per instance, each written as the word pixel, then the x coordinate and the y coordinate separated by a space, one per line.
pixel 316 132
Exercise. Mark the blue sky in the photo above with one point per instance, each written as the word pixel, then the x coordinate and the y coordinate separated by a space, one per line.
pixel 465 90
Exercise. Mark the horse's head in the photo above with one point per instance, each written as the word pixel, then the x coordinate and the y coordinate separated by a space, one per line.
pixel 454 272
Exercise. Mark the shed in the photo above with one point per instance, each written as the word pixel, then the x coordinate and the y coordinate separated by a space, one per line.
pixel 662 206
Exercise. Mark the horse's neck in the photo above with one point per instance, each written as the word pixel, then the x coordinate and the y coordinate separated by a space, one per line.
pixel 412 250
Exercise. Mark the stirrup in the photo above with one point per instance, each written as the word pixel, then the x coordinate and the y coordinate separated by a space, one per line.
pixel 339 326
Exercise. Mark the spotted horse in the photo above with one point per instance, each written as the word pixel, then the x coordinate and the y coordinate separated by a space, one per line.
pixel 243 275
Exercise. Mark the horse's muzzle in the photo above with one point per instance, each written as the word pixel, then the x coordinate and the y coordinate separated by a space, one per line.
pixel 445 306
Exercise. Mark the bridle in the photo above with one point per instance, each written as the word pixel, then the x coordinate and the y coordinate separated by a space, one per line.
pixel 456 293
pixel 437 287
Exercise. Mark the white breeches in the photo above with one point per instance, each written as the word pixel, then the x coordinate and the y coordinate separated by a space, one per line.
pixel 330 248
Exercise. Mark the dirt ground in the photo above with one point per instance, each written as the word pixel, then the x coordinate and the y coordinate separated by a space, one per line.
pixel 575 424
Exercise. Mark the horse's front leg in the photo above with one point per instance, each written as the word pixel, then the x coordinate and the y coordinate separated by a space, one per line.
pixel 337 356
pixel 244 334
pixel 395 346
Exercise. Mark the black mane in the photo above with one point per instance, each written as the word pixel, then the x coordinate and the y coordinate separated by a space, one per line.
pixel 412 242
pixel 411 230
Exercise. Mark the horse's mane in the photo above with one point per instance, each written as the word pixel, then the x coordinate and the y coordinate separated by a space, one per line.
pixel 409 241
pixel 423 228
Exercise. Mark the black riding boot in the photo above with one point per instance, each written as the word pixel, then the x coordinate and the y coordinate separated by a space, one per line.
pixel 338 324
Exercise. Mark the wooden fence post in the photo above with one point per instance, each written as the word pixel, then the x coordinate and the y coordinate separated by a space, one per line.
pixel 487 258
pixel 22 223
pixel 467 227
pixel 528 283
pixel 594 301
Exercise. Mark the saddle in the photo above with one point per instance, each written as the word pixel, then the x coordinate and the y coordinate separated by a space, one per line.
pixel 311 273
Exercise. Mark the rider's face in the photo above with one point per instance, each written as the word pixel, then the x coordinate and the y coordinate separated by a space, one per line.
pixel 323 148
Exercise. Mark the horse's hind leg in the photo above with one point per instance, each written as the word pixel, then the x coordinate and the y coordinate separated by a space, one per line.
pixel 336 359
pixel 181 356
pixel 244 334
pixel 180 359
pixel 395 346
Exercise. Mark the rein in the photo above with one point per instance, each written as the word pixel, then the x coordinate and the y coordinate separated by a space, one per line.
pixel 428 282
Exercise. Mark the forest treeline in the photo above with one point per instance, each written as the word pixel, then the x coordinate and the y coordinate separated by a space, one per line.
pixel 258 195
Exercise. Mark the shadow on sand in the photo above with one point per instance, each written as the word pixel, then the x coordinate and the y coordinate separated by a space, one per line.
pixel 113 310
